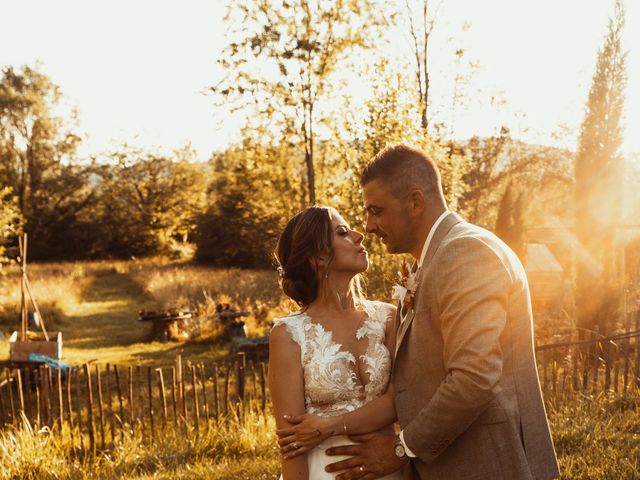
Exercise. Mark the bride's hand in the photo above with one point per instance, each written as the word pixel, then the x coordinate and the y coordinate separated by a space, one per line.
pixel 307 432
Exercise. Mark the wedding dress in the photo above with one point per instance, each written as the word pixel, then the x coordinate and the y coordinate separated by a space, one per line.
pixel 331 384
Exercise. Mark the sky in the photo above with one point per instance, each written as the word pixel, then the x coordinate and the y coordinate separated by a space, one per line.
pixel 138 70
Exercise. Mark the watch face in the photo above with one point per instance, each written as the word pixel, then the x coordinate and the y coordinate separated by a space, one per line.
pixel 399 450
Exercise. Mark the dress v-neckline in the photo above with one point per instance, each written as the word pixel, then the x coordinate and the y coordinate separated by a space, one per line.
pixel 352 357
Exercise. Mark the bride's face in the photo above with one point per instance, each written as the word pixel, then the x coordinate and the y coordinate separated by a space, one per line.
pixel 349 255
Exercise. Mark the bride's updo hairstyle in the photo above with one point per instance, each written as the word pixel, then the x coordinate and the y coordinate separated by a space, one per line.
pixel 307 236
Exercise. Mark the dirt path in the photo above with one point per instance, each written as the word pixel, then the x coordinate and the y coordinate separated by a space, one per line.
pixel 104 328
pixel 105 323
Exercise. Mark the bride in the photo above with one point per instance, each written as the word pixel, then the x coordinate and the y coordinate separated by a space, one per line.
pixel 329 362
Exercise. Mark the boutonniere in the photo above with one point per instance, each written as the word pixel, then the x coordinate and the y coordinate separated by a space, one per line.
pixel 405 289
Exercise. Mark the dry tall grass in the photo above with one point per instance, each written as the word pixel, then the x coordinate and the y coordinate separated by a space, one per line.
pixel 596 438
pixel 57 287
pixel 227 449
pixel 200 288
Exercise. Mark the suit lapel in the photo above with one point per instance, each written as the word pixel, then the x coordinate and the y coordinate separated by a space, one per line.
pixel 442 230
pixel 402 328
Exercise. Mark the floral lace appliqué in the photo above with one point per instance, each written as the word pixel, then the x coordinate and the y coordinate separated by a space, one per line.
pixel 331 383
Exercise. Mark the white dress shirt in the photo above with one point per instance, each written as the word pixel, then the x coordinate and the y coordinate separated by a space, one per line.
pixel 425 247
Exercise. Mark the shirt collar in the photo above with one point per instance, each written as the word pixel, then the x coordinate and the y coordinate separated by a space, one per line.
pixel 425 247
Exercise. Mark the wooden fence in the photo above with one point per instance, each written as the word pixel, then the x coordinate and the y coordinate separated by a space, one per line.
pixel 592 366
pixel 95 405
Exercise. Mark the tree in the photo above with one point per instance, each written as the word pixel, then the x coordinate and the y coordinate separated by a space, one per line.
pixel 598 179
pixel 9 220
pixel 421 35
pixel 36 159
pixel 387 119
pixel 283 56
pixel 510 223
pixel 542 173
pixel 148 202
pixel 249 202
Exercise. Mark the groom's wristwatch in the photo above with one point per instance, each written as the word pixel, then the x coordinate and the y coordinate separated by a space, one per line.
pixel 399 449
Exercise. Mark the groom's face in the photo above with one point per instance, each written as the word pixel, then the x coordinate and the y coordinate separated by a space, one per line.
pixel 387 216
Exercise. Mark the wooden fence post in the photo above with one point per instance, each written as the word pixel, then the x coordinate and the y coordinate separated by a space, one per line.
pixel 638 350
pixel 174 406
pixel 163 398
pixel 585 368
pixel 116 371
pixel 50 390
pixel 92 439
pixel 79 409
pixel 607 365
pixel 139 399
pixel 100 406
pixel 263 386
pixel 627 353
pixel 46 396
pixel 183 399
pixel 216 412
pixel 254 383
pixel 241 360
pixel 182 406
pixel 226 390
pixel 575 357
pixel 150 392
pixel 203 385
pixel 131 406
pixel 67 381
pixel 110 406
pixel 616 367
pixel 3 415
pixel 10 390
pixel 20 394
pixel 545 371
pixel 27 390
pixel 43 396
pixel 195 398
pixel 60 396
pixel 597 349
pixel 554 371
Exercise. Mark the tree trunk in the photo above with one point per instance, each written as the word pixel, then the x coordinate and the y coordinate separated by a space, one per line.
pixel 311 175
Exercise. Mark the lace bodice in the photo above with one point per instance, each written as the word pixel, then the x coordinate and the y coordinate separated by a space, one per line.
pixel 331 384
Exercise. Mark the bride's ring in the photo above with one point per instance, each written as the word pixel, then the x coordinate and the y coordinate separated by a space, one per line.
pixel 295 445
pixel 361 468
pixel 318 433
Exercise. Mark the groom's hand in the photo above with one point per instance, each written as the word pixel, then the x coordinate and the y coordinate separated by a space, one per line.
pixel 372 457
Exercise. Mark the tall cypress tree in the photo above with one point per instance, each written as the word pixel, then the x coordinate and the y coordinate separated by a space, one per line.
pixel 510 222
pixel 598 167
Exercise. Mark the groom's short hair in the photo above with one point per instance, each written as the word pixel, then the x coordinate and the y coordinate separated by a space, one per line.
pixel 404 168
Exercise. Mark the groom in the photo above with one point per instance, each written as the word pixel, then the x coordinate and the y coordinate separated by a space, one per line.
pixel 464 378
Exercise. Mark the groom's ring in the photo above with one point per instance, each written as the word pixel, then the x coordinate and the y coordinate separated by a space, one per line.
pixel 318 433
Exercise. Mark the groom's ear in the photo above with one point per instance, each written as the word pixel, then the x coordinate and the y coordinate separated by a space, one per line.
pixel 417 202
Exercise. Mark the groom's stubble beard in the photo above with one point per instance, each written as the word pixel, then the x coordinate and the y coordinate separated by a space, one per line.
pixel 404 238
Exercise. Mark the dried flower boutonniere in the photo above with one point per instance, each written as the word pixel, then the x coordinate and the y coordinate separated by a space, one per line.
pixel 406 287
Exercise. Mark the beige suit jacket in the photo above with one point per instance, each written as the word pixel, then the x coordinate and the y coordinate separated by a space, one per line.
pixel 465 380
